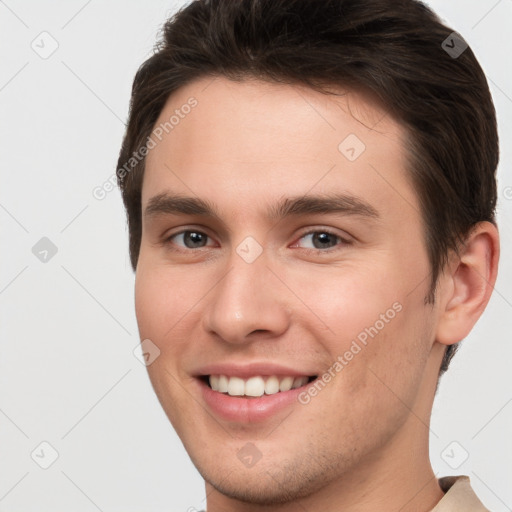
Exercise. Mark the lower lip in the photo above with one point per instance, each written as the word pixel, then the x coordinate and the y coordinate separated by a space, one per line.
pixel 248 410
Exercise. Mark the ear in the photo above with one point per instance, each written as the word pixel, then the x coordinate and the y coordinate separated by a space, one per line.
pixel 467 283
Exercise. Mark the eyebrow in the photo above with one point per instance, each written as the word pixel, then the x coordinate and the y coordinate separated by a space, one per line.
pixel 177 204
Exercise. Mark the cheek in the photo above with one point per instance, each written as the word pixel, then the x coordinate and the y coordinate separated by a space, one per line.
pixel 148 304
pixel 348 299
pixel 164 310
pixel 374 322
pixel 162 297
pixel 388 374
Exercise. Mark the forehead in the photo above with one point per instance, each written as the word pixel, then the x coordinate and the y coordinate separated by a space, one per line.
pixel 254 139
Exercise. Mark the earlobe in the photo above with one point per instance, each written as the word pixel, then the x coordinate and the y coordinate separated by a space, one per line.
pixel 467 284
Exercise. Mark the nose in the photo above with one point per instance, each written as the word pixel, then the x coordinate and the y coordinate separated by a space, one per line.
pixel 246 304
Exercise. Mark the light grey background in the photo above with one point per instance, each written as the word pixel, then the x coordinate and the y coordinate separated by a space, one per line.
pixel 68 374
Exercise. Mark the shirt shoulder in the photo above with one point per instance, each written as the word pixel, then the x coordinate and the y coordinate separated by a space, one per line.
pixel 459 496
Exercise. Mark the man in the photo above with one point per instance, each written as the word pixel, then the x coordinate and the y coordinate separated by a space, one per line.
pixel 310 190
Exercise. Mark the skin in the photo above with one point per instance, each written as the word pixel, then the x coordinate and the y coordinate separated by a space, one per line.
pixel 362 442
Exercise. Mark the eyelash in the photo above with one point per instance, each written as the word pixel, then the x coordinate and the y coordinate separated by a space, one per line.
pixel 342 241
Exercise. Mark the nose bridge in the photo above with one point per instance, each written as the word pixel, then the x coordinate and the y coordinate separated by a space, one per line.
pixel 246 299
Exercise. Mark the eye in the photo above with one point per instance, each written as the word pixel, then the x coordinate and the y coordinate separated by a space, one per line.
pixel 319 240
pixel 189 239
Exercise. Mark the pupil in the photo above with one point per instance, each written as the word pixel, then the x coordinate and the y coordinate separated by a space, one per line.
pixel 324 239
pixel 193 239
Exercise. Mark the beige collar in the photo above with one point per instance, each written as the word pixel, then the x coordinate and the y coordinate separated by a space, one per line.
pixel 459 496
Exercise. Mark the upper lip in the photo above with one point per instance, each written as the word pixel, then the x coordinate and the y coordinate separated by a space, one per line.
pixel 247 370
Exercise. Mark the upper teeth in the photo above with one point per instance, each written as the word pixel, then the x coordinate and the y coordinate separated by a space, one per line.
pixel 255 386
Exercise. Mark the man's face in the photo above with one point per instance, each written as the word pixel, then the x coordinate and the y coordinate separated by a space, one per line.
pixel 276 285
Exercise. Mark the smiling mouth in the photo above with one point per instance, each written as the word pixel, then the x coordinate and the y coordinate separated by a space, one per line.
pixel 255 387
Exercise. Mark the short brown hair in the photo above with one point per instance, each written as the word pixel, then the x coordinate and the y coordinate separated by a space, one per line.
pixel 396 50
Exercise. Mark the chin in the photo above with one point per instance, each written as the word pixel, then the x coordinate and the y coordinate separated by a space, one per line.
pixel 275 484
